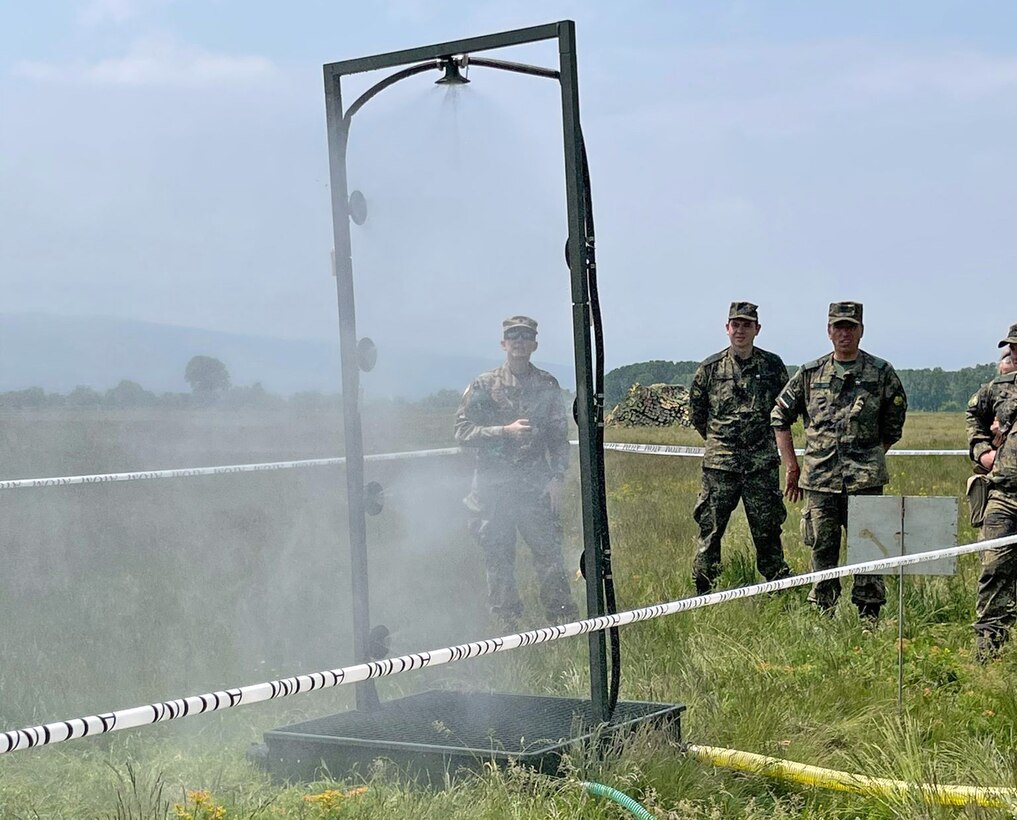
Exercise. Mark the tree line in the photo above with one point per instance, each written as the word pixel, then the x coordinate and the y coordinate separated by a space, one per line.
pixel 932 389
pixel 211 387
pixel 207 377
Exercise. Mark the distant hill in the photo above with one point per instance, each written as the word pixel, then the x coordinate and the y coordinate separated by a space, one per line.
pixel 58 353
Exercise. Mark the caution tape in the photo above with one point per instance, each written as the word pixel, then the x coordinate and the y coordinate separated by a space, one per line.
pixel 50 733
pixel 230 469
pixel 698 452
pixel 188 472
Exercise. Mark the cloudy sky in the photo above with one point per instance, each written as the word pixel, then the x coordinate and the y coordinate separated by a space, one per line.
pixel 166 160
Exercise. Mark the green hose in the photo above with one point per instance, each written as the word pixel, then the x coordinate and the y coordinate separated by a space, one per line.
pixel 622 799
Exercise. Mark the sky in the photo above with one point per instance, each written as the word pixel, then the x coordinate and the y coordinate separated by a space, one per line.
pixel 166 161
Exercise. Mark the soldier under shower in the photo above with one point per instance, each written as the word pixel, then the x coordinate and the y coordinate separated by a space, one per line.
pixel 514 418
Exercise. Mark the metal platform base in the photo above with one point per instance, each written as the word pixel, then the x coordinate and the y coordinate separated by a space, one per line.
pixel 437 734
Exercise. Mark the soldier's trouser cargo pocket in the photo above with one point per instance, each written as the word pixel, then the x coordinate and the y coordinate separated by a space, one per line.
pixel 977 492
pixel 808 528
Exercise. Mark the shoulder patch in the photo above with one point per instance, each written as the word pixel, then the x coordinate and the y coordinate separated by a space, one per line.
pixel 898 400
pixel 813 364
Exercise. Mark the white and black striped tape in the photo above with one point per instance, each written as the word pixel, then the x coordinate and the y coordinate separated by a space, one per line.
pixel 60 731
pixel 229 469
pixel 187 472
pixel 683 450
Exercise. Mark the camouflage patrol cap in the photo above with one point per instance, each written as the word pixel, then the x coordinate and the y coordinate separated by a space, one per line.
pixel 1011 336
pixel 743 310
pixel 845 312
pixel 519 321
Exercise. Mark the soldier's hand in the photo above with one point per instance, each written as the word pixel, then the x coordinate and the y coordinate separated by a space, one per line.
pixel 792 492
pixel 553 491
pixel 987 459
pixel 518 429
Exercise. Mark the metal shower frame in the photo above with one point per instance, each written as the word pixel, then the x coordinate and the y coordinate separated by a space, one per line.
pixel 580 255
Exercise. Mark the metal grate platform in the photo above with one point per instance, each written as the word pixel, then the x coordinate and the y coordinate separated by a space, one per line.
pixel 428 735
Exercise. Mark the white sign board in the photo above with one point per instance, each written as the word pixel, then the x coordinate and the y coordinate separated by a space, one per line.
pixel 885 526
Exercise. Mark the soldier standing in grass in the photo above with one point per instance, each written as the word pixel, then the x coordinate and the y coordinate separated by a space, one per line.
pixel 514 417
pixel 853 407
pixel 1006 365
pixel 996 453
pixel 730 400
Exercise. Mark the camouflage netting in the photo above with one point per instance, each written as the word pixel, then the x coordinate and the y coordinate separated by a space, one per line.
pixel 658 405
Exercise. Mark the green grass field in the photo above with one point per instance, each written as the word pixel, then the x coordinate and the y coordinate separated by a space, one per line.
pixel 122 594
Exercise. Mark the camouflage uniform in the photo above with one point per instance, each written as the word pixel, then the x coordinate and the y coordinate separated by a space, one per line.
pixel 730 401
pixel 995 605
pixel 850 420
pixel 509 489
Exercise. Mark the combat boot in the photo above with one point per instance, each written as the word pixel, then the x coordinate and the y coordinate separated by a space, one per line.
pixel 704 586
pixel 868 613
pixel 989 646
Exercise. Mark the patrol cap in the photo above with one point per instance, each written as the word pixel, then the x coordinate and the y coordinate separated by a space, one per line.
pixel 743 310
pixel 519 322
pixel 1011 336
pixel 845 312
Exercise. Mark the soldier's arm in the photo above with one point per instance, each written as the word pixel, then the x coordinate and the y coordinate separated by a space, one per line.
pixel 778 378
pixel 469 430
pixel 893 409
pixel 789 405
pixel 699 401
pixel 782 370
pixel 978 424
pixel 558 437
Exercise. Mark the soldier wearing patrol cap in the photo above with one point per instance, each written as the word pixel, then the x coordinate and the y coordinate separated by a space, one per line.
pixel 730 400
pixel 995 452
pixel 853 407
pixel 514 417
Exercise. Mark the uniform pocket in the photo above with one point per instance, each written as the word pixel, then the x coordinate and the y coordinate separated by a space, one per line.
pixel 978 498
pixel 808 528
pixel 723 398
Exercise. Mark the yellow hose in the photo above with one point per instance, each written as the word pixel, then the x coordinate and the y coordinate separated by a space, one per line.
pixel 859 784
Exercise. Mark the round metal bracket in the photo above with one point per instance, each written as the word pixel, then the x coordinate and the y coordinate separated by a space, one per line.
pixel 379 642
pixel 367 354
pixel 358 208
pixel 374 498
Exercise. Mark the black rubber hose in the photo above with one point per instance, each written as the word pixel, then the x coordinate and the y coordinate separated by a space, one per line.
pixel 610 600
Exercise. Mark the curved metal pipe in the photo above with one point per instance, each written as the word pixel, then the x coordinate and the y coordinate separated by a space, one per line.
pixel 378 87
pixel 392 79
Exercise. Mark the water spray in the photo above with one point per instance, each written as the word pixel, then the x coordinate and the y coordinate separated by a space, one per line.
pixel 453 60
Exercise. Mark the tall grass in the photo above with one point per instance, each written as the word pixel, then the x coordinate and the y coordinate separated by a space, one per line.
pixel 122 594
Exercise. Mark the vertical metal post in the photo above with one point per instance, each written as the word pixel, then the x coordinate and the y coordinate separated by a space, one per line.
pixel 589 459
pixel 900 609
pixel 366 693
